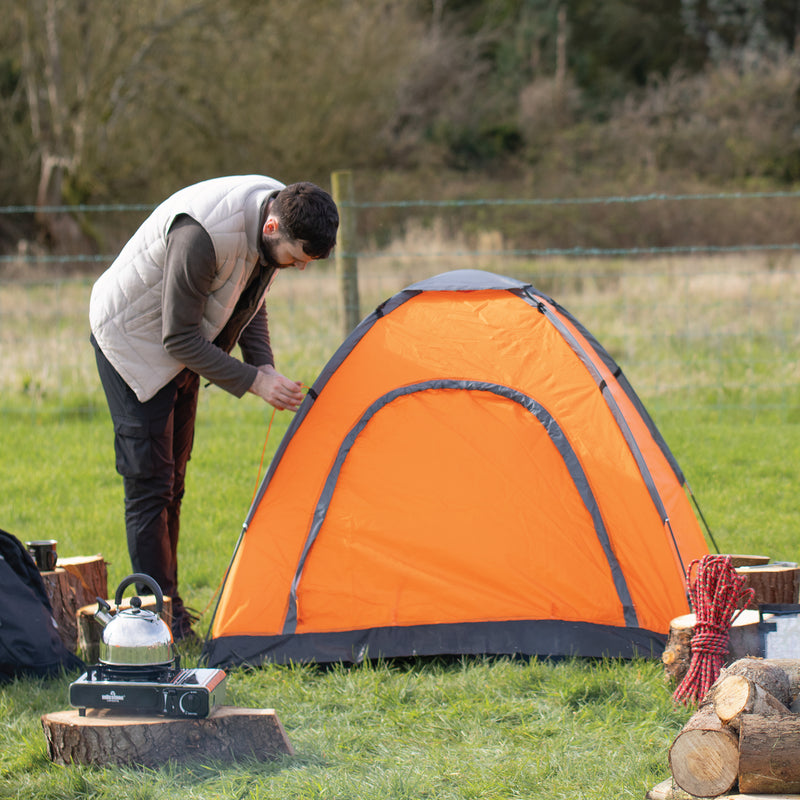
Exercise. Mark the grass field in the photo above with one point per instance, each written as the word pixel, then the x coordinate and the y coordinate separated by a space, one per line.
pixel 710 349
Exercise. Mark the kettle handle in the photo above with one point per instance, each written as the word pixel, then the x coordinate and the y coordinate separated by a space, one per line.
pixel 140 577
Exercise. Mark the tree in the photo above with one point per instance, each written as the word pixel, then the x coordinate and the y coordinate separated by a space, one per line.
pixel 88 72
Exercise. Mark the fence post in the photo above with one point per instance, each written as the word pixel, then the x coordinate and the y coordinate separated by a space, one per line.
pixel 346 261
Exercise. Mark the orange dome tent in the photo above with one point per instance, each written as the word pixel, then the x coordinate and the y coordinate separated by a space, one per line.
pixel 470 473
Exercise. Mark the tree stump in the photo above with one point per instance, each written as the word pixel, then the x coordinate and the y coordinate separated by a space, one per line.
pixel 744 640
pixel 74 582
pixel 677 655
pixel 102 738
pixel 773 583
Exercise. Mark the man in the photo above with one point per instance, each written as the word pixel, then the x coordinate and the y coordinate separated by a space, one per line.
pixel 184 290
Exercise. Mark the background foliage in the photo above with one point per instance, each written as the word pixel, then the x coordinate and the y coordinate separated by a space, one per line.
pixel 120 102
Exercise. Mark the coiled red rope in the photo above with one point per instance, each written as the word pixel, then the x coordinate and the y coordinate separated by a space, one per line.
pixel 718 594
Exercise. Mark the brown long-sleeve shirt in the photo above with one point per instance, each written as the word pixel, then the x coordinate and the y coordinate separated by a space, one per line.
pixel 189 270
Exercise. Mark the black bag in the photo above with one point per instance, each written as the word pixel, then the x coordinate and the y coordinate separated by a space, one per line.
pixel 29 640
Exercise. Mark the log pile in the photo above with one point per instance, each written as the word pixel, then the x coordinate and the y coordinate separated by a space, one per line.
pixel 745 733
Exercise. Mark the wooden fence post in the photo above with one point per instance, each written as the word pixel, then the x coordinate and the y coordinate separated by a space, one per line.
pixel 346 260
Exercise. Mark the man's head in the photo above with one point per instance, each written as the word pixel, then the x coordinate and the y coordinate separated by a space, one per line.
pixel 301 225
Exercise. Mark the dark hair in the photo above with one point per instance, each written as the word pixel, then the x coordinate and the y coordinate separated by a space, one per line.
pixel 307 213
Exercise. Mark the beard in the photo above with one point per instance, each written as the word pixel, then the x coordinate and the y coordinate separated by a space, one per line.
pixel 268 254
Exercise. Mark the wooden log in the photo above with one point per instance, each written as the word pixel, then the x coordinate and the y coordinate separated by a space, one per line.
pixel 90 630
pixel 704 756
pixel 58 586
pixel 661 791
pixel 677 654
pixel 103 738
pixel 744 640
pixel 773 583
pixel 765 673
pixel 769 754
pixel 69 586
pixel 791 666
pixel 91 572
pixel 735 695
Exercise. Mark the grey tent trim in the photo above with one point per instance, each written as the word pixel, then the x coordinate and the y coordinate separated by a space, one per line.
pixel 613 406
pixel 614 368
pixel 538 412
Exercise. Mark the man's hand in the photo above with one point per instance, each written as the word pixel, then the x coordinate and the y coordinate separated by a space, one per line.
pixel 278 390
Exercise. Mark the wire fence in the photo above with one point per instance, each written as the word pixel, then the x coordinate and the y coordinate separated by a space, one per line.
pixel 703 325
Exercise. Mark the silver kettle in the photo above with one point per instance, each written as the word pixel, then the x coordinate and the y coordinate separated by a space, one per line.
pixel 135 636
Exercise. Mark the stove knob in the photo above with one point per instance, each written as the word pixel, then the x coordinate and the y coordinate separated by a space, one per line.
pixel 190 703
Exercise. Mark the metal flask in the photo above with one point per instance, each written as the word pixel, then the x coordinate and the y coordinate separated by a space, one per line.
pixel 134 636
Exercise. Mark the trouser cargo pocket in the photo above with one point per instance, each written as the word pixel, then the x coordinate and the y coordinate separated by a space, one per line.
pixel 133 448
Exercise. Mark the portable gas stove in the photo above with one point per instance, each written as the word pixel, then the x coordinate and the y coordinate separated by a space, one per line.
pixel 139 669
pixel 163 689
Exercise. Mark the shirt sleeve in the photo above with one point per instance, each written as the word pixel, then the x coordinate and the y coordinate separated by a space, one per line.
pixel 189 269
pixel 254 340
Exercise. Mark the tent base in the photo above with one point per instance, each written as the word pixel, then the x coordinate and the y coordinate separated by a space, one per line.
pixel 544 638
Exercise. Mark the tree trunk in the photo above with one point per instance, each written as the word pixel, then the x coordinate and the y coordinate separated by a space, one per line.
pixel 104 739
pixel 769 754
pixel 704 756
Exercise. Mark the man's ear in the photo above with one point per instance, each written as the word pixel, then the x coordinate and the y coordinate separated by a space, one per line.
pixel 271 225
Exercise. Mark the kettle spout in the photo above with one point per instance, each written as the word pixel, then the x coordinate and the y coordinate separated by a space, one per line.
pixel 102 615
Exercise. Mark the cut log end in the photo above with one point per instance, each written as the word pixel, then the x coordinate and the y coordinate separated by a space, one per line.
pixel 705 763
pixel 766 674
pixel 731 697
pixel 704 756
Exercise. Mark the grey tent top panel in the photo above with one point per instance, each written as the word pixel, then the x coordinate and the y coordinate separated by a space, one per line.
pixel 466 280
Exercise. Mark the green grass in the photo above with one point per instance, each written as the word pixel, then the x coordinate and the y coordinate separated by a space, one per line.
pixel 719 378
pixel 475 728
